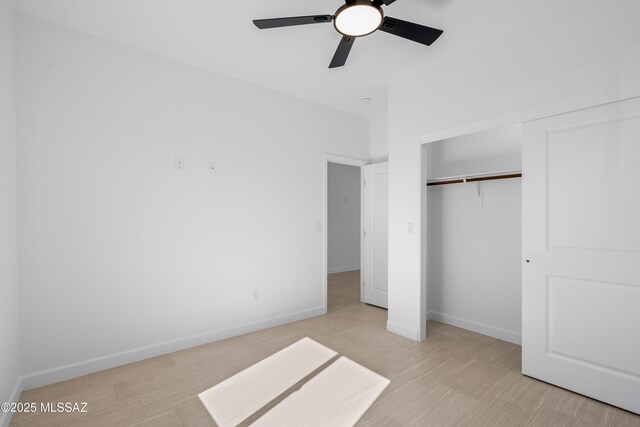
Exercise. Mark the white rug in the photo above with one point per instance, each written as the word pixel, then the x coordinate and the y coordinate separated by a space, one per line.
pixel 336 397
pixel 235 399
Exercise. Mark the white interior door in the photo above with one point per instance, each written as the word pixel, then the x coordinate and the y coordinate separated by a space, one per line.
pixel 376 202
pixel 581 250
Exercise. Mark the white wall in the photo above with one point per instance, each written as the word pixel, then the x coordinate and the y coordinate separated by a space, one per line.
pixel 474 243
pixel 9 332
pixel 122 256
pixel 497 149
pixel 379 146
pixel 343 218
pixel 556 63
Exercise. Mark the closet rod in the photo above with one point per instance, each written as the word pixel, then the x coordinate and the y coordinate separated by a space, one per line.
pixel 475 179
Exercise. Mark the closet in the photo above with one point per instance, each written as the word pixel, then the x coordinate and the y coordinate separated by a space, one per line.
pixel 550 259
pixel 474 228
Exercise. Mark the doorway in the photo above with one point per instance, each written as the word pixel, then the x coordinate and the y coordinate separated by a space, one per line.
pixel 474 228
pixel 343 233
pixel 355 268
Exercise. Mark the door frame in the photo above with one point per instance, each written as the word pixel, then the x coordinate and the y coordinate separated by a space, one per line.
pixel 349 161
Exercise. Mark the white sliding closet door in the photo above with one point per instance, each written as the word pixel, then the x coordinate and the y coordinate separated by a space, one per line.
pixel 376 259
pixel 581 250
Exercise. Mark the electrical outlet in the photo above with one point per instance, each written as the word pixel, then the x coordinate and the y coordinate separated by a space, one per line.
pixel 256 294
pixel 179 163
pixel 318 225
pixel 213 168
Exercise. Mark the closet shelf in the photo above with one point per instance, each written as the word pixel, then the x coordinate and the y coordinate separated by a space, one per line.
pixel 461 179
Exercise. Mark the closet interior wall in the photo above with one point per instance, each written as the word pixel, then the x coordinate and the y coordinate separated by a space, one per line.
pixel 474 240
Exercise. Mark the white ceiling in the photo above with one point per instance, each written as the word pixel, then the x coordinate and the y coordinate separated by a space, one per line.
pixel 219 36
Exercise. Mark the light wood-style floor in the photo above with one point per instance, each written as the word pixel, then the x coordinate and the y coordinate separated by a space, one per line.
pixel 455 378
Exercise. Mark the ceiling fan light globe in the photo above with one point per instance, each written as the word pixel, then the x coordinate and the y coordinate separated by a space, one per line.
pixel 358 19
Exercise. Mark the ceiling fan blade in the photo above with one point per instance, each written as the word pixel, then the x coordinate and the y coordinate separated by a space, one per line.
pixel 411 31
pixel 342 53
pixel 388 2
pixel 294 20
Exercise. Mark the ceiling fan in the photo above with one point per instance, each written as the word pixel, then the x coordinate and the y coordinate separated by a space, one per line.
pixel 358 18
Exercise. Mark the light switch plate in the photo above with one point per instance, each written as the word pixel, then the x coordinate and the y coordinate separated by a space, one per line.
pixel 410 228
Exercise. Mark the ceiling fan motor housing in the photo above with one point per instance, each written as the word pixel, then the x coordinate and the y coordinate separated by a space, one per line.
pixel 358 18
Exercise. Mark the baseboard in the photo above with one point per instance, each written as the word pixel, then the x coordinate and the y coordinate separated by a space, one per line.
pixel 342 269
pixel 63 373
pixel 481 328
pixel 5 417
pixel 412 334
